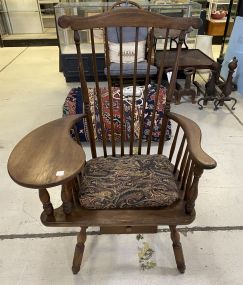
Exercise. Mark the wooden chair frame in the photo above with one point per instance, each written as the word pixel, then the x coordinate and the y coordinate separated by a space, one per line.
pixel 38 160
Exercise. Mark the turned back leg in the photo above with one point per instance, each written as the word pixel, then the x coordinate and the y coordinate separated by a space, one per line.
pixel 175 237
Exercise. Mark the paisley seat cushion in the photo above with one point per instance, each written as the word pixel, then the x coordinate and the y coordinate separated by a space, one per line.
pixel 128 182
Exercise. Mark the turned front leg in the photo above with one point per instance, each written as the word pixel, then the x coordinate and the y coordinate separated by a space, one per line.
pixel 175 237
pixel 79 250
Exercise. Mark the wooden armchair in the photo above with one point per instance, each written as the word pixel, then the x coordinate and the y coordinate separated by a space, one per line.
pixel 119 191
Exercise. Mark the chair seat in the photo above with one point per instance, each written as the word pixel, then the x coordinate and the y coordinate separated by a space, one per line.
pixel 136 181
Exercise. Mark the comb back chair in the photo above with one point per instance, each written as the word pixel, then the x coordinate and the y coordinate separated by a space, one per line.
pixel 119 191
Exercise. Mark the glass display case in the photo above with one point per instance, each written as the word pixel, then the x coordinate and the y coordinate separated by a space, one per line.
pixel 27 19
pixel 84 9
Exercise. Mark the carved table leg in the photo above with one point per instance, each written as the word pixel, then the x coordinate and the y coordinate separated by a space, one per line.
pixel 175 237
pixel 45 200
pixel 188 90
pixel 79 250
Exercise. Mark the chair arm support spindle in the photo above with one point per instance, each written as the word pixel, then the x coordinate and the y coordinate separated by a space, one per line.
pixel 192 192
pixel 67 197
pixel 46 202
pixel 192 134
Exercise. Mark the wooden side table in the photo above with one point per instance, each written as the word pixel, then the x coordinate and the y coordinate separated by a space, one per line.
pixel 194 58
pixel 188 58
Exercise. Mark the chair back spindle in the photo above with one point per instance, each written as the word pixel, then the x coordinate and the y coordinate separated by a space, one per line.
pixel 127 120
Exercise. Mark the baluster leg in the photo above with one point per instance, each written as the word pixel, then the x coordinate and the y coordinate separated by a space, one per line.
pixel 79 250
pixel 175 237
pixel 67 197
pixel 45 200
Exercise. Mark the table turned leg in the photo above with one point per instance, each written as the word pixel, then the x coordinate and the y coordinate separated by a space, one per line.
pixel 188 90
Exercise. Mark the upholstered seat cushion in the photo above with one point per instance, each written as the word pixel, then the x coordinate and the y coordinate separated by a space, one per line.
pixel 128 182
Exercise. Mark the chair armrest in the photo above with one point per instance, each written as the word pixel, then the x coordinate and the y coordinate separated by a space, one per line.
pixel 193 136
pixel 37 158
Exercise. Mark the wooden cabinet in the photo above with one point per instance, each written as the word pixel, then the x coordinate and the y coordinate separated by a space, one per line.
pixel 216 27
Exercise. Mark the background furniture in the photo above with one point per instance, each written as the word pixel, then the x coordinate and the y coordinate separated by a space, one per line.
pixel 128 38
pixel 193 59
pixel 216 27
pixel 156 189
pixel 222 93
pixel 68 58
pixel 235 49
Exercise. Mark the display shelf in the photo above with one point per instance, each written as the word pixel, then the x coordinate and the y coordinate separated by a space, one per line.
pixel 46 8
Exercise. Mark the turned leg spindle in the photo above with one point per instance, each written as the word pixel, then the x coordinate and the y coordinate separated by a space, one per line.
pixel 45 200
pixel 79 250
pixel 188 90
pixel 67 197
pixel 175 237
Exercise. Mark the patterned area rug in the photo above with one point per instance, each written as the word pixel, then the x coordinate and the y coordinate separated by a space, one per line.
pixel 74 105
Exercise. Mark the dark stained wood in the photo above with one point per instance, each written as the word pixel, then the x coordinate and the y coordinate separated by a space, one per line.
pixel 134 92
pixel 79 250
pixel 175 237
pixel 179 154
pixel 95 71
pixel 128 18
pixel 171 90
pixel 188 58
pixel 121 93
pixel 38 157
pixel 150 48
pixel 192 192
pixel 46 202
pixel 172 149
pixel 186 172
pixel 165 120
pixel 189 178
pixel 188 90
pixel 85 94
pixel 67 197
pixel 107 58
pixel 173 215
pixel 128 230
pixel 183 164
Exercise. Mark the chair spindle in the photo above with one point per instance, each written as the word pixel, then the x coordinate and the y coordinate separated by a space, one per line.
pixel 85 94
pixel 95 72
pixel 107 57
